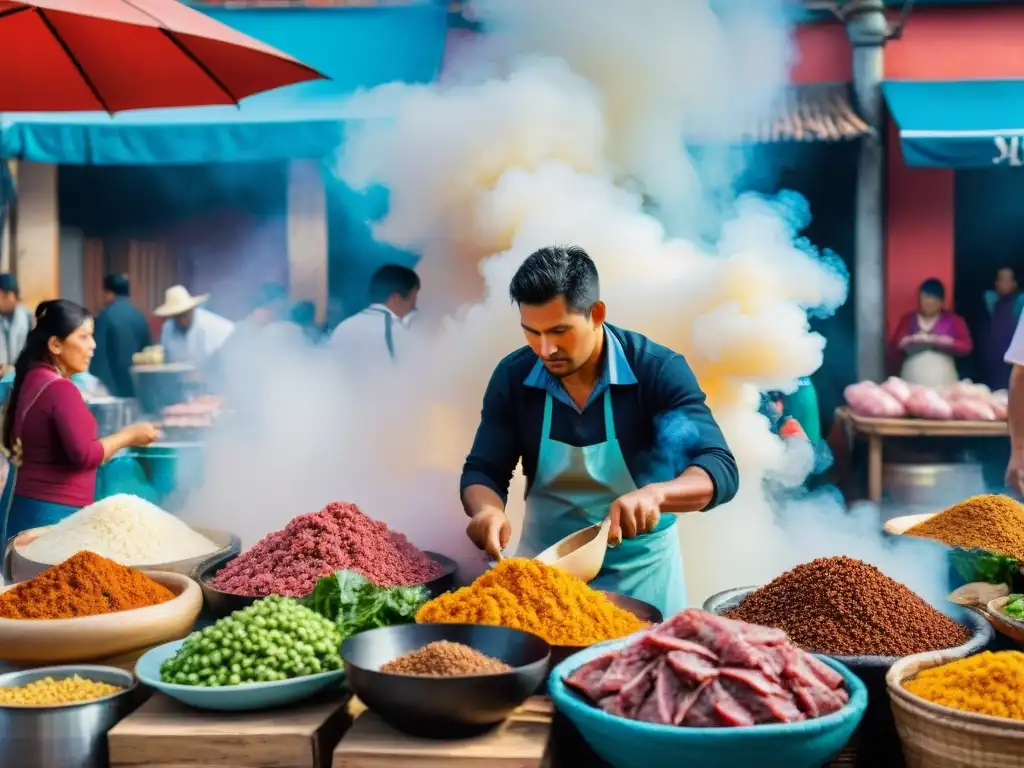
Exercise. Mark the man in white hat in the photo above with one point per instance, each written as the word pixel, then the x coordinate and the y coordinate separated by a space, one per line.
pixel 190 334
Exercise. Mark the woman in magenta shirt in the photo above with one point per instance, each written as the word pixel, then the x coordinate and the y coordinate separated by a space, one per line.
pixel 48 432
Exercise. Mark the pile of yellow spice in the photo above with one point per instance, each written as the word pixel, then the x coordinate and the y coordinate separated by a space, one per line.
pixel 536 598
pixel 49 692
pixel 990 683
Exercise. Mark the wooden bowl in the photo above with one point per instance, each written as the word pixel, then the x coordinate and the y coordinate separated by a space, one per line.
pixel 580 554
pixel 897 526
pixel 59 641
pixel 22 568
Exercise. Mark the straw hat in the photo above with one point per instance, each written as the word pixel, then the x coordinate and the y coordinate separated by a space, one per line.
pixel 178 301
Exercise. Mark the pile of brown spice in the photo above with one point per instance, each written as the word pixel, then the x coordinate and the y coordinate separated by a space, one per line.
pixel 841 606
pixel 991 522
pixel 445 659
pixel 83 585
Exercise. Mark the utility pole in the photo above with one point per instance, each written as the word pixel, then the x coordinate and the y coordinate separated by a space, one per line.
pixel 868 30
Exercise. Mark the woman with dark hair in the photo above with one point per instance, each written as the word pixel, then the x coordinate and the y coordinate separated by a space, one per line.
pixel 927 341
pixel 48 434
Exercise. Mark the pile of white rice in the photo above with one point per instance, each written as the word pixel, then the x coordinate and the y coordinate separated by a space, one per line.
pixel 123 528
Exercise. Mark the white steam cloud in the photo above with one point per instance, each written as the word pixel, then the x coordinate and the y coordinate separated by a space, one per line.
pixel 546 140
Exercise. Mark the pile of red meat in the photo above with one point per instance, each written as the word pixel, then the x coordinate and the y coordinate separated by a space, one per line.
pixel 198 412
pixel 705 671
pixel 893 398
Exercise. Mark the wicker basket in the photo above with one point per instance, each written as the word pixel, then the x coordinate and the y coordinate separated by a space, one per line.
pixel 940 737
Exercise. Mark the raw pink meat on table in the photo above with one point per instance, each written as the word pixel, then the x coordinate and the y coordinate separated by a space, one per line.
pixel 741 675
pixel 928 404
pixel 972 409
pixel 338 537
pixel 898 388
pixel 868 399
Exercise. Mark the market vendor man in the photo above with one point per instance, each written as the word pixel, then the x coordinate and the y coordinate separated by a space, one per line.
pixel 606 423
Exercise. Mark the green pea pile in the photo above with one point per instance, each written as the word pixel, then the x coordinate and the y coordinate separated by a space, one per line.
pixel 273 639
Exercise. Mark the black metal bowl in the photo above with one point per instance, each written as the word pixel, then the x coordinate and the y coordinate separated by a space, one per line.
pixel 220 603
pixel 444 707
pixel 640 609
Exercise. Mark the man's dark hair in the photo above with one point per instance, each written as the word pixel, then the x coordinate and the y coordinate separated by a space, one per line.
pixel 390 280
pixel 566 271
pixel 9 284
pixel 119 285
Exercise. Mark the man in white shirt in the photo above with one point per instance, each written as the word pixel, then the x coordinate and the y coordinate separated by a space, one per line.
pixel 16 320
pixel 375 336
pixel 1015 411
pixel 190 334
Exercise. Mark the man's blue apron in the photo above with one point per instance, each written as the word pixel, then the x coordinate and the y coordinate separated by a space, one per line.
pixel 575 487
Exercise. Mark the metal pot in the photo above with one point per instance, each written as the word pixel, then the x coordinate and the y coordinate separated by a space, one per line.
pixel 71 736
pixel 113 414
pixel 931 485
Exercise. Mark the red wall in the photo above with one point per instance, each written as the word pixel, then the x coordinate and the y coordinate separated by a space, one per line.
pixel 937 44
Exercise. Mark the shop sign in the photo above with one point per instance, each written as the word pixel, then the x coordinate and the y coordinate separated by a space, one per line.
pixel 1008 151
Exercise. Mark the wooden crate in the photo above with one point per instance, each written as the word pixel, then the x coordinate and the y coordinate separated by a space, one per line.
pixel 165 734
pixel 520 742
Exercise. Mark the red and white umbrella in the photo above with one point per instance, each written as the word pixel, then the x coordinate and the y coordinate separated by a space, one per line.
pixel 113 55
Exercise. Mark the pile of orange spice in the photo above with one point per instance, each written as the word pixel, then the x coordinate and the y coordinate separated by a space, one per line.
pixel 536 598
pixel 83 585
pixel 992 522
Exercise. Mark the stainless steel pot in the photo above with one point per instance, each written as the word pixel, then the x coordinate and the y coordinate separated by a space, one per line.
pixel 72 736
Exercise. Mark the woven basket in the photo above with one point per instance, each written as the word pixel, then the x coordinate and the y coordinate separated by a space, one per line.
pixel 940 737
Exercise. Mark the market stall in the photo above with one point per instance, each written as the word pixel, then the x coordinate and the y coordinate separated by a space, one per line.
pixel 876 430
pixel 348 646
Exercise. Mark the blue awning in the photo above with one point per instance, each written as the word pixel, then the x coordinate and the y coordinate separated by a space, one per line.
pixel 959 124
pixel 266 131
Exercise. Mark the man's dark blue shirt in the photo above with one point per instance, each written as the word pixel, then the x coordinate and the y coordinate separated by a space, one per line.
pixel 661 419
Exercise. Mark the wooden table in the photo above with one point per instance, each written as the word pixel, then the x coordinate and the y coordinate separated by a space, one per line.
pixel 335 732
pixel 875 431
pixel 165 734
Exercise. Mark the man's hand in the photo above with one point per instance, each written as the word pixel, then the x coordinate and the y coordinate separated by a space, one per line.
pixel 635 513
pixel 490 530
pixel 1015 473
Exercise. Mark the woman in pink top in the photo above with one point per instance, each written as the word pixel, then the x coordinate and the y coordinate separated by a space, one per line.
pixel 48 432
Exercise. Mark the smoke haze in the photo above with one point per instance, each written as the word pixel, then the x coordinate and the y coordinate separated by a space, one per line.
pixel 564 123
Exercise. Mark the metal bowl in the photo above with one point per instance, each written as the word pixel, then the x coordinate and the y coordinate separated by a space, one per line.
pixel 221 603
pixel 981 632
pixel 69 736
pixel 444 707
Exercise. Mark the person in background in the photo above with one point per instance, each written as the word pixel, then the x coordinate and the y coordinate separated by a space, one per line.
pixel 1003 307
pixel 929 339
pixel 303 314
pixel 15 322
pixel 48 433
pixel 587 406
pixel 190 334
pixel 374 337
pixel 121 332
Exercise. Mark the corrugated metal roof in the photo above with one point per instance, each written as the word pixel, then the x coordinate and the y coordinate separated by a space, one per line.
pixel 806 113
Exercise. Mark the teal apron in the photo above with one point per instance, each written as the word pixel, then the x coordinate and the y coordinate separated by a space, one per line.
pixel 575 487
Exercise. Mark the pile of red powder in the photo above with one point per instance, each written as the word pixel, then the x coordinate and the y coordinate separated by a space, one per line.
pixel 338 537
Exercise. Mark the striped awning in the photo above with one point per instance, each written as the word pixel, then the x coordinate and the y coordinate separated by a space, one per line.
pixel 810 113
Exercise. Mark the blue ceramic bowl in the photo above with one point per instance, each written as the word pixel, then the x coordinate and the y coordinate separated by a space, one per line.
pixel 630 744
pixel 234 698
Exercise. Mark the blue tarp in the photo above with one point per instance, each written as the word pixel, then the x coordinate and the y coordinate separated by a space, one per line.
pixel 959 124
pixel 356 47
